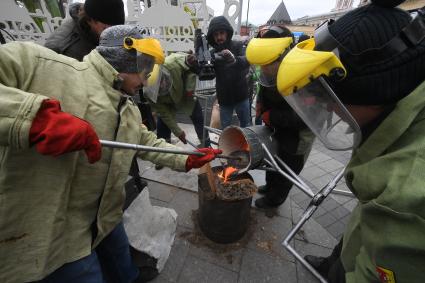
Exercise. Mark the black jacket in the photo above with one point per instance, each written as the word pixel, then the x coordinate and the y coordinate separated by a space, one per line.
pixel 283 119
pixel 72 38
pixel 231 82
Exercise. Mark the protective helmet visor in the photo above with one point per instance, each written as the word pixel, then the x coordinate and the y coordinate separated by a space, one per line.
pixel 267 53
pixel 145 65
pixel 158 84
pixel 325 115
pixel 301 81
pixel 268 74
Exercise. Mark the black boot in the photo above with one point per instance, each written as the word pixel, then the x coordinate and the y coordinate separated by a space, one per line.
pixel 264 203
pixel 321 264
pixel 262 190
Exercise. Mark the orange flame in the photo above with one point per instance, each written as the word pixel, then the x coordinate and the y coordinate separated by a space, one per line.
pixel 226 173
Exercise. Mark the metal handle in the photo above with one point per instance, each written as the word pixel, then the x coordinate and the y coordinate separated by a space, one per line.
pixel 138 147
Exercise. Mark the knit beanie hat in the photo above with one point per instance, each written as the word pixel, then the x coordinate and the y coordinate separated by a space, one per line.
pixel 376 82
pixel 123 60
pixel 109 12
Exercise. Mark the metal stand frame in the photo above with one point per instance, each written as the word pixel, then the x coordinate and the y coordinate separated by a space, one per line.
pixel 275 164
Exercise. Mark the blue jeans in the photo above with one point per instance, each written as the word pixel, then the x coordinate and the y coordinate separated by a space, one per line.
pixel 85 270
pixel 243 111
pixel 112 256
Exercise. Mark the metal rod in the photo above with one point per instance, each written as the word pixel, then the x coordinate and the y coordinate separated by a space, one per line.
pixel 289 170
pixel 306 190
pixel 213 130
pixel 343 193
pixel 138 147
pixel 306 216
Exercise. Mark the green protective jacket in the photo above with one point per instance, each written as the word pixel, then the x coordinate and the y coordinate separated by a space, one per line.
pixel 386 234
pixel 178 100
pixel 55 210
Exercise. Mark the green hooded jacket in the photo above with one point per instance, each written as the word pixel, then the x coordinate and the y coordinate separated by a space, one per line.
pixel 55 210
pixel 180 98
pixel 385 239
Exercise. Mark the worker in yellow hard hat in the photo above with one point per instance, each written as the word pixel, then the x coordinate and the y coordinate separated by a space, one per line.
pixel 359 85
pixel 294 137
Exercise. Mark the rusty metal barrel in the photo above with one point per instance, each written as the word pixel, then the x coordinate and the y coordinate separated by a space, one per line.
pixel 222 221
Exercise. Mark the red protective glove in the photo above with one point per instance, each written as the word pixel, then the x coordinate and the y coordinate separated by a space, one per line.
pixel 55 132
pixel 266 118
pixel 182 138
pixel 194 161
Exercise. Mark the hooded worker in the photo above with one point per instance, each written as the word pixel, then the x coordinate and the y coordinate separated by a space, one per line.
pixel 79 35
pixel 65 191
pixel 231 82
pixel 360 84
pixel 293 136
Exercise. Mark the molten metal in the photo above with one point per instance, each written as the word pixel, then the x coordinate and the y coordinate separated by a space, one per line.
pixel 226 173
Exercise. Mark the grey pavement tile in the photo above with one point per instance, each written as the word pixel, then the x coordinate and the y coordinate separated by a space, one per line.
pixel 188 180
pixel 161 191
pixel 228 256
pixel 197 270
pixel 341 199
pixel 319 158
pixel 259 267
pixel 299 197
pixel 329 204
pixel 312 173
pixel 336 229
pixel 344 159
pixel 284 209
pixel 268 234
pixel 304 276
pixel 330 165
pixel 326 219
pixel 175 262
pixel 321 181
pixel 259 177
pixel 345 219
pixel 351 204
pixel 319 212
pixel 184 202
pixel 340 212
pixel 311 231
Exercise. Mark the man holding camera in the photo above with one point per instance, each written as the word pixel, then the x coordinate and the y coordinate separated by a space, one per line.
pixel 231 83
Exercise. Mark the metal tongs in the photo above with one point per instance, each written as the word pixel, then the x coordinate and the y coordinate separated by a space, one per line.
pixel 138 147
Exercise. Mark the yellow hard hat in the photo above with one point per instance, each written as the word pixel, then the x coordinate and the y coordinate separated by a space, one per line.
pixel 263 51
pixel 302 65
pixel 149 46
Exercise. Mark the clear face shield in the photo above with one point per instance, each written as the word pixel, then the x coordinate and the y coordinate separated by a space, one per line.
pixel 301 81
pixel 145 65
pixel 325 115
pixel 268 53
pixel 158 84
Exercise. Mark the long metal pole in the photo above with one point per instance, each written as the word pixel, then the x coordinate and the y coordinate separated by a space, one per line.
pixel 139 147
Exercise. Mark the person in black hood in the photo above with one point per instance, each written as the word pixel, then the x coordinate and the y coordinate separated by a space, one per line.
pixel 231 83
pixel 79 35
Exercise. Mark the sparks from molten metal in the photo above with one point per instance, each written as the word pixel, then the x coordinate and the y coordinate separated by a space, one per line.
pixel 226 173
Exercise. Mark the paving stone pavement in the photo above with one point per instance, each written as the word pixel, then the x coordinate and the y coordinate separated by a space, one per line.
pixel 259 256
